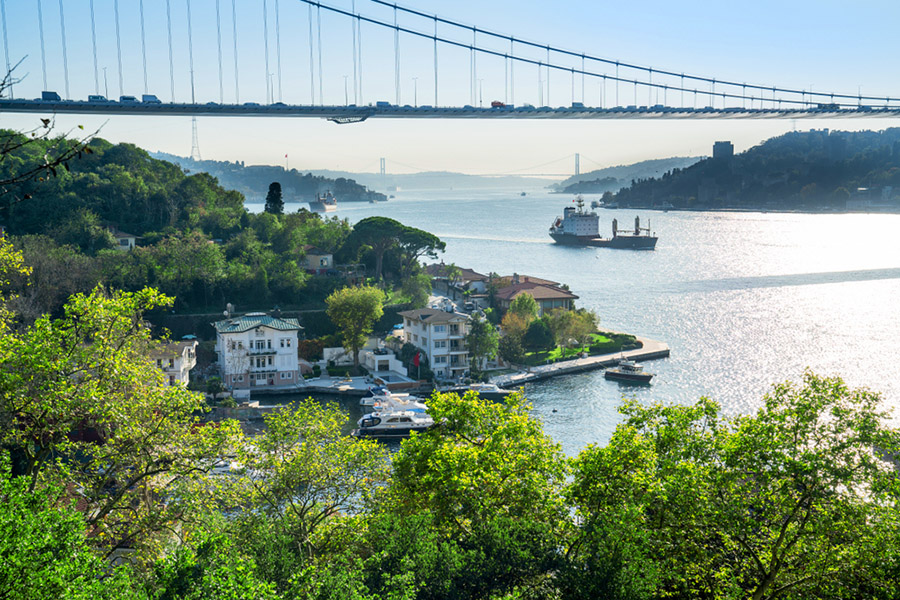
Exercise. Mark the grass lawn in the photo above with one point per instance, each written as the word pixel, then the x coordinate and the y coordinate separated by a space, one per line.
pixel 542 357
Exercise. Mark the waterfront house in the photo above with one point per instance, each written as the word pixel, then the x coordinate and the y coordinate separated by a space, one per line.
pixel 548 297
pixel 257 351
pixel 441 335
pixel 176 359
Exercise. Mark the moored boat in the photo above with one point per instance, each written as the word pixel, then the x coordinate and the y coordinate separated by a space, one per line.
pixel 394 424
pixel 628 371
pixel 488 391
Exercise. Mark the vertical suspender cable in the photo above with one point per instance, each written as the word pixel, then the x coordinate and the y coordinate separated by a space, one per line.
pixel 319 41
pixel 278 47
pixel 143 45
pixel 94 45
pixel 506 78
pixel 435 61
pixel 617 84
pixel 219 45
pixel 474 63
pixel 171 57
pixel 191 50
pixel 359 35
pixel 548 76
pixel 266 46
pixel 9 79
pixel 582 78
pixel 540 83
pixel 512 73
pixel 62 30
pixel 354 24
pixel 119 47
pixel 396 57
pixel 312 66
pixel 237 94
pixel 43 50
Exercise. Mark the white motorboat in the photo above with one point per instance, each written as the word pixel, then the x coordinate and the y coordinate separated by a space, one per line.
pixel 395 424
pixel 489 391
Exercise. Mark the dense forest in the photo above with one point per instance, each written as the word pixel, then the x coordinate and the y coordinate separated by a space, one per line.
pixel 197 242
pixel 252 181
pixel 811 170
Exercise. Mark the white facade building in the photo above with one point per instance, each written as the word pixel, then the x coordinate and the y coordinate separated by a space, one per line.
pixel 176 360
pixel 441 335
pixel 257 351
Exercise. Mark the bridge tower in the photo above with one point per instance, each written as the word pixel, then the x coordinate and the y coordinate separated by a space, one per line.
pixel 195 141
pixel 577 164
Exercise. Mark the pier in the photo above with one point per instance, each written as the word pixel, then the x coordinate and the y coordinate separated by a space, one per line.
pixel 650 350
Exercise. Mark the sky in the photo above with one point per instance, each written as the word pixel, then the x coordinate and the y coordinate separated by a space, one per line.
pixel 812 45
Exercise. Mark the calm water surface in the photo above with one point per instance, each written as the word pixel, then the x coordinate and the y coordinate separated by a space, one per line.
pixel 744 300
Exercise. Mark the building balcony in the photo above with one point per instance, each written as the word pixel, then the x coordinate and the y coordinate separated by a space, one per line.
pixel 262 352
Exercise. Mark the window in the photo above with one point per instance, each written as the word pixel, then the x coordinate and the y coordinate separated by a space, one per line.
pixel 440 344
pixel 415 338
pixel 440 328
pixel 268 344
pixel 171 363
pixel 270 361
pixel 159 363
pixel 171 380
pixel 281 342
pixel 259 332
pixel 288 342
pixel 260 345
pixel 123 242
pixel 240 344
pixel 440 359
pixel 240 377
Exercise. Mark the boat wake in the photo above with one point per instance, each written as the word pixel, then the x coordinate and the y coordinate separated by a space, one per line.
pixel 798 279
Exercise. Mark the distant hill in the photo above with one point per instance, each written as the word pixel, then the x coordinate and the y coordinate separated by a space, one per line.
pixel 812 170
pixel 441 180
pixel 611 179
pixel 253 181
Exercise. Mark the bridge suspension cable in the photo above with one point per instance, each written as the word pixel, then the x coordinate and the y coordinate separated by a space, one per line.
pixel 278 47
pixel 619 79
pixel 8 78
pixel 234 35
pixel 62 31
pixel 119 48
pixel 43 49
pixel 143 45
pixel 93 44
pixel 171 56
pixel 219 47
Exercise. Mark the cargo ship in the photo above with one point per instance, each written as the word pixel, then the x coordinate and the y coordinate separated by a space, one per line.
pixel 324 204
pixel 578 227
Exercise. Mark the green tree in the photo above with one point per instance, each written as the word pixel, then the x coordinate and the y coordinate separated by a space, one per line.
pixel 414 244
pixel 417 288
pixel 481 341
pixel 379 234
pixel 798 500
pixel 81 405
pixel 571 327
pixel 298 476
pixel 525 306
pixel 44 552
pixel 11 265
pixel 538 336
pixel 274 201
pixel 354 311
pixel 510 349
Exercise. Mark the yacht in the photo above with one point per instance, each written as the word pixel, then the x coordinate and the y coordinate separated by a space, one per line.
pixel 392 424
pixel 628 371
pixel 489 391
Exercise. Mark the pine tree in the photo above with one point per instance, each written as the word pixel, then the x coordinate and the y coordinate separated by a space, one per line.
pixel 274 203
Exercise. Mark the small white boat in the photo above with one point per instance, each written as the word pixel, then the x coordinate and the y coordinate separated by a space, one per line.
pixel 489 391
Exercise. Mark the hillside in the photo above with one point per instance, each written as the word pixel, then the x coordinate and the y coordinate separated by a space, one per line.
pixel 812 170
pixel 611 179
pixel 253 181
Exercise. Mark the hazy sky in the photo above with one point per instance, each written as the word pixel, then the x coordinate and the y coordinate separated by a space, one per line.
pixel 819 45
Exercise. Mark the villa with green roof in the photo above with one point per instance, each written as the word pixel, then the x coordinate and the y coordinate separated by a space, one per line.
pixel 258 352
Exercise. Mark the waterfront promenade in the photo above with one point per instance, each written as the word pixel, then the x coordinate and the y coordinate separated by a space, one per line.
pixel 650 350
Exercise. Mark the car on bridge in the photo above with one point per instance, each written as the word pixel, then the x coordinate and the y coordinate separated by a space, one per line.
pixel 98 98
pixel 128 100
pixel 150 99
pixel 50 97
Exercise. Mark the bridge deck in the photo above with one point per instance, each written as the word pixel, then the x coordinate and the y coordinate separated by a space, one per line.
pixel 350 114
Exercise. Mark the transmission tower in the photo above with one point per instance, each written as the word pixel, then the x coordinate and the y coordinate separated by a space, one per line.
pixel 195 141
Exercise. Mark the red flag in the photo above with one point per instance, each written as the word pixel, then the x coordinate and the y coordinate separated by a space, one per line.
pixel 285 155
pixel 416 360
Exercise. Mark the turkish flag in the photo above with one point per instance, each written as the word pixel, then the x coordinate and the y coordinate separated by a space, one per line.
pixel 416 360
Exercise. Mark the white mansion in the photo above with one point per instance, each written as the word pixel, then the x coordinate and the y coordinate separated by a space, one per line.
pixel 257 351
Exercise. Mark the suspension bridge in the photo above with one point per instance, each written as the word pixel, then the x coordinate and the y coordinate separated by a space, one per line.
pixel 539 81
